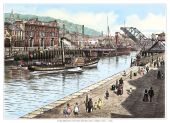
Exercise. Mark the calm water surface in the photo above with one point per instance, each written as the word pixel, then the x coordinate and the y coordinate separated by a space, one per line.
pixel 23 92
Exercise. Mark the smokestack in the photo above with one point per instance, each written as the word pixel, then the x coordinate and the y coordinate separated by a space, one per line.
pixel 83 30
pixel 116 37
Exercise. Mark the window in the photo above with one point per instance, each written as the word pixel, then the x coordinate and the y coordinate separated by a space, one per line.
pixel 31 42
pixel 31 34
pixel 43 33
pixel 52 34
pixel 42 42
pixel 52 42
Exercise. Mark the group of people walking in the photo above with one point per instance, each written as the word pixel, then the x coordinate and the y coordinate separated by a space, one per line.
pixel 118 88
pixel 90 106
pixel 160 75
pixel 68 110
pixel 159 62
pixel 148 95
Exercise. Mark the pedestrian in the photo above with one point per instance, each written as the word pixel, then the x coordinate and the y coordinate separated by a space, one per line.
pixel 86 102
pixel 163 63
pixel 145 98
pixel 131 74
pixel 157 64
pixel 90 105
pixel 154 64
pixel 76 109
pixel 121 81
pixel 151 94
pixel 69 110
pixel 124 73
pixel 95 106
pixel 117 83
pixel 139 70
pixel 65 111
pixel 120 89
pixel 107 94
pixel 113 87
pixel 99 103
pixel 130 90
pixel 147 69
pixel 159 75
pixel 162 75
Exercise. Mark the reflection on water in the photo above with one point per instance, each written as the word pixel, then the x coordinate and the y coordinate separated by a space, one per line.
pixel 24 92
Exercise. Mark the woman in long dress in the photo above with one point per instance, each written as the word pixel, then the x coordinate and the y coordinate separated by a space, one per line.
pixel 145 98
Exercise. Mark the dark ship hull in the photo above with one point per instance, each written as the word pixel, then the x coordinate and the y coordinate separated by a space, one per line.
pixel 120 51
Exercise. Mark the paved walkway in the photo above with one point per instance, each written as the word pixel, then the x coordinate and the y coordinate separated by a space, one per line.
pixel 123 106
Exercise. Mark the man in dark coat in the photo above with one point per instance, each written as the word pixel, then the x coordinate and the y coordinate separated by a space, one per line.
pixel 107 94
pixel 147 69
pixel 159 75
pixel 86 102
pixel 121 81
pixel 90 105
pixel 151 94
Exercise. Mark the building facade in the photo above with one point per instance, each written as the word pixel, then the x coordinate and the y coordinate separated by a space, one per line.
pixel 40 34
pixel 31 33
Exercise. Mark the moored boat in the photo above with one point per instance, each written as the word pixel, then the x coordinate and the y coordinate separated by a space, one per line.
pixel 74 70
pixel 91 65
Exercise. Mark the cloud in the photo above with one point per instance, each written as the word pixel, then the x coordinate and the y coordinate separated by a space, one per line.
pixel 97 21
pixel 150 24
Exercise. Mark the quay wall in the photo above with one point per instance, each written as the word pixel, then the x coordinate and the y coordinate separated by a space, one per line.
pixel 58 103
pixel 66 99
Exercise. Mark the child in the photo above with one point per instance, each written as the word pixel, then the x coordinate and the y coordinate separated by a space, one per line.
pixel 107 94
pixel 76 109
pixel 95 106
pixel 68 109
pixel 130 91
pixel 100 103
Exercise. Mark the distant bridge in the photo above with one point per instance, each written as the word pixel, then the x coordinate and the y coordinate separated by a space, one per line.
pixel 143 42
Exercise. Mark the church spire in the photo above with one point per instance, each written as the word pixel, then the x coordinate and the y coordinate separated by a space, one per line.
pixel 12 19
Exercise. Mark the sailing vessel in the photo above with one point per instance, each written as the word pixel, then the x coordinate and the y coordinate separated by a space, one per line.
pixel 116 43
pixel 64 66
pixel 74 70
pixel 76 62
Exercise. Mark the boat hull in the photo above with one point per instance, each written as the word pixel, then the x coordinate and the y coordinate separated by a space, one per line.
pixel 74 70
pixel 37 73
pixel 92 65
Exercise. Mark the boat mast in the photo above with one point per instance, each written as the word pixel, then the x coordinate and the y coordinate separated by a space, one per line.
pixel 62 45
pixel 62 49
pixel 116 38
pixel 107 28
pixel 125 34
pixel 108 31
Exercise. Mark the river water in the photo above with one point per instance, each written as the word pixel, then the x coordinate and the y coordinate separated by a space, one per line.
pixel 23 92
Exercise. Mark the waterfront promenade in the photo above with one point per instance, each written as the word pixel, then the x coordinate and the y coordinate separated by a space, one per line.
pixel 122 106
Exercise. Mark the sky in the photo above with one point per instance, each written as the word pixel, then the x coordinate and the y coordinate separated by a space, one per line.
pixel 148 18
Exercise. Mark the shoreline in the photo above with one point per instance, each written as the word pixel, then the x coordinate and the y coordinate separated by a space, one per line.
pixel 74 95
pixel 54 109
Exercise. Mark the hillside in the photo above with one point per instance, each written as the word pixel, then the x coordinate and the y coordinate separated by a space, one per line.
pixel 71 27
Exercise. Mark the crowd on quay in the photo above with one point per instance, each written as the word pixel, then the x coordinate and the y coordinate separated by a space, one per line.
pixel 89 106
pixel 117 88
pixel 149 94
